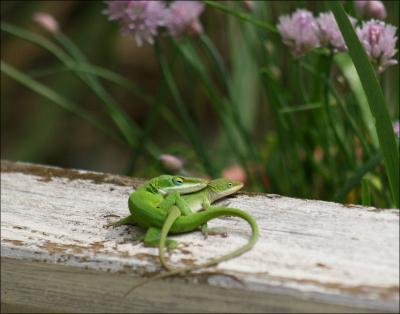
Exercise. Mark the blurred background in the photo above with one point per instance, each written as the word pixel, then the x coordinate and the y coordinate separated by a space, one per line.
pixel 34 129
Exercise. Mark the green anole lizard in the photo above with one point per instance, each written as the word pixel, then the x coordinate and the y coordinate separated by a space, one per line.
pixel 202 200
pixel 155 197
pixel 181 219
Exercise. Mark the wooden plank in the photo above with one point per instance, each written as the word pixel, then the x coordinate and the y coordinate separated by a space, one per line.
pixel 312 256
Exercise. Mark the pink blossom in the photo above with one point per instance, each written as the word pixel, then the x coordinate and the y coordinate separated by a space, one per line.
pixel 235 172
pixel 396 128
pixel 171 163
pixel 371 9
pixel 140 19
pixel 379 40
pixel 249 5
pixel 329 32
pixel 116 9
pixel 183 17
pixel 144 19
pixel 299 31
pixel 47 21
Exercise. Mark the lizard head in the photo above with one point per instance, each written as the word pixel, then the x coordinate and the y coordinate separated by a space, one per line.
pixel 167 184
pixel 222 187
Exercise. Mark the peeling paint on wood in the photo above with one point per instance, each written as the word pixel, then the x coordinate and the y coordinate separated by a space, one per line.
pixel 321 252
pixel 46 173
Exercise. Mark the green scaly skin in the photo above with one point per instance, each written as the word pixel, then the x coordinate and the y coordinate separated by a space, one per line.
pixel 158 194
pixel 181 219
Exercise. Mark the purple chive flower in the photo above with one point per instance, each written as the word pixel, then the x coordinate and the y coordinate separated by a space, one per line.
pixel 299 31
pixel 371 9
pixel 138 18
pixel 396 128
pixel 329 32
pixel 379 40
pixel 116 9
pixel 183 17
pixel 144 19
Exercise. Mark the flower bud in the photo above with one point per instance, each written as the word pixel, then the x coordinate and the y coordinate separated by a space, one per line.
pixel 141 19
pixel 379 40
pixel 171 163
pixel 235 172
pixel 329 33
pixel 371 9
pixel 299 31
pixel 396 128
pixel 47 21
pixel 249 5
pixel 183 18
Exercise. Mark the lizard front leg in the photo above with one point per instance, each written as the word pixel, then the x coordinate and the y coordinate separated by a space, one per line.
pixel 172 203
pixel 176 199
pixel 210 231
pixel 153 237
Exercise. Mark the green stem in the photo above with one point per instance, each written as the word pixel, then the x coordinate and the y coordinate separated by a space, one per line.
pixel 240 15
pixel 327 117
pixel 365 192
pixel 352 122
pixel 376 99
pixel 331 122
pixel 189 126
pixel 150 123
pixel 293 180
pixel 300 81
pixel 232 106
pixel 217 59
pixel 342 106
pixel 128 128
pixel 118 80
pixel 57 99
pixel 125 125
pixel 355 179
pixel 219 103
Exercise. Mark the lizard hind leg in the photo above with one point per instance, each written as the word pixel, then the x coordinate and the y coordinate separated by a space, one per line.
pixel 124 221
pixel 206 231
pixel 152 239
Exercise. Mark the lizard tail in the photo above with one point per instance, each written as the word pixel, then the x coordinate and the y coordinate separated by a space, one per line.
pixel 211 213
pixel 173 214
pixel 215 212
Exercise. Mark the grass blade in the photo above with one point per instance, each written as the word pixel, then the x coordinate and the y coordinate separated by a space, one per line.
pixel 190 127
pixel 375 97
pixel 365 192
pixel 56 98
pixel 356 178
pixel 240 15
pixel 126 126
pixel 343 61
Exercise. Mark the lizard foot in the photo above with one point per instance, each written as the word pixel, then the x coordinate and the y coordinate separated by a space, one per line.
pixel 112 224
pixel 171 244
pixel 138 237
pixel 124 221
pixel 213 231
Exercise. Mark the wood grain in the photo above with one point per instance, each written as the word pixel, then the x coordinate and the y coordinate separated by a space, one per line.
pixel 312 256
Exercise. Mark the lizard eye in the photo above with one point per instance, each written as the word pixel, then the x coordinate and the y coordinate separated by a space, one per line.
pixel 178 181
pixel 230 184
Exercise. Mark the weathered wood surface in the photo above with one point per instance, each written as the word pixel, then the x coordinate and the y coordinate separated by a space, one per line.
pixel 312 256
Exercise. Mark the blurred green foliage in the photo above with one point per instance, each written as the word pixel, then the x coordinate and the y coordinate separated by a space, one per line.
pixel 234 95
